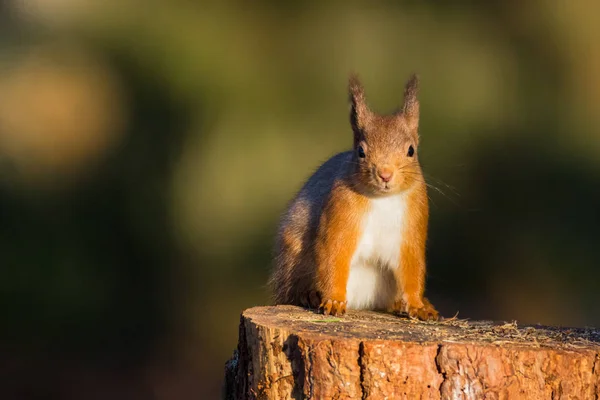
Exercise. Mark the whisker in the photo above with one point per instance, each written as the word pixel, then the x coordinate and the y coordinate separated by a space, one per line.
pixel 432 202
pixel 442 193
pixel 440 182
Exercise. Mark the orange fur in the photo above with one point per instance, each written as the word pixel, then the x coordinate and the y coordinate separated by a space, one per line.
pixel 410 274
pixel 411 271
pixel 336 240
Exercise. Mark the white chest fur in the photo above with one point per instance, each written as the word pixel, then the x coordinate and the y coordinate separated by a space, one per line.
pixel 371 283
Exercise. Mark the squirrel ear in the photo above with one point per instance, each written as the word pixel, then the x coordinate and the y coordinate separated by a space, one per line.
pixel 359 111
pixel 410 109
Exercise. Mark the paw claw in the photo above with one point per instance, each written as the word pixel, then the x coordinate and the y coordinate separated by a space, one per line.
pixel 424 313
pixel 333 307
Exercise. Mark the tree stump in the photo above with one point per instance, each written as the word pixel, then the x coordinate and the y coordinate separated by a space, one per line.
pixel 287 352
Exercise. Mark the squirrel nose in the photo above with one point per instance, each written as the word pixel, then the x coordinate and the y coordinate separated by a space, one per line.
pixel 385 174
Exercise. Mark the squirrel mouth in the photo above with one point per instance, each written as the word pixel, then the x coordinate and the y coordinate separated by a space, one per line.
pixel 383 187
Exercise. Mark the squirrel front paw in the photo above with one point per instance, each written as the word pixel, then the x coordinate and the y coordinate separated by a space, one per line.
pixel 424 312
pixel 332 307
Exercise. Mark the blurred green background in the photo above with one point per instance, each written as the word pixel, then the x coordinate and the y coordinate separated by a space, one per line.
pixel 148 148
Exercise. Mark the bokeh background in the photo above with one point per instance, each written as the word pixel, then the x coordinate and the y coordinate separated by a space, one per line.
pixel 148 148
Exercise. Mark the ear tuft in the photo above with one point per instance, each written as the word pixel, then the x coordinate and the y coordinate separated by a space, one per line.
pixel 355 89
pixel 410 109
pixel 359 111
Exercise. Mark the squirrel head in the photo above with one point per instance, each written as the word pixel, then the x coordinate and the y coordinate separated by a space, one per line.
pixel 385 146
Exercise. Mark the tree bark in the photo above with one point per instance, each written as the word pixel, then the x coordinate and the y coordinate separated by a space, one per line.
pixel 287 352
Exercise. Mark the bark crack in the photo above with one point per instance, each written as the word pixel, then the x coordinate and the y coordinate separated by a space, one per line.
pixel 311 381
pixel 438 366
pixel 596 378
pixel 361 366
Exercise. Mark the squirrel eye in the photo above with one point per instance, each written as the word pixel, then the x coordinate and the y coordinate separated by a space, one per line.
pixel 411 151
pixel 361 152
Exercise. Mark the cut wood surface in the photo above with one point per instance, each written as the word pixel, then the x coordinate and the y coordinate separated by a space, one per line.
pixel 287 352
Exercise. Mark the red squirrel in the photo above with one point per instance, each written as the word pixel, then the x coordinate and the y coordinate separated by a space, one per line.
pixel 354 236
